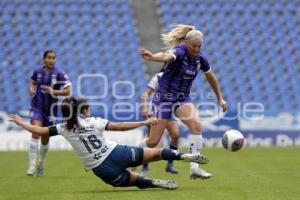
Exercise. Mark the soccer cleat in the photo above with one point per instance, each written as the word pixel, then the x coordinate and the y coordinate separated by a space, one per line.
pixel 170 168
pixel 201 159
pixel 165 184
pixel 199 173
pixel 30 171
pixel 40 170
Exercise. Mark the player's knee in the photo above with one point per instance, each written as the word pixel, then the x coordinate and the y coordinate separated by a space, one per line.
pixel 152 142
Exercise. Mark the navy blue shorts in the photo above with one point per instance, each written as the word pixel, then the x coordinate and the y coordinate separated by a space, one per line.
pixel 114 171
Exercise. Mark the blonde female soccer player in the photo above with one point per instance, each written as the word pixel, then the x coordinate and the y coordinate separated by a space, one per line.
pixel 184 61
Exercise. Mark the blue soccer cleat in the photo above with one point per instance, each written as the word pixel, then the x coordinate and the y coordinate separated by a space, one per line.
pixel 171 169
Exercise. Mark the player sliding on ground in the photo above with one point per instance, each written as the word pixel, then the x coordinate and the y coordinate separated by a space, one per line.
pixel 107 159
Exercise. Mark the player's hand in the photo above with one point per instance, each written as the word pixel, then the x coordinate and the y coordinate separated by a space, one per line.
pixel 145 54
pixel 151 121
pixel 48 89
pixel 16 119
pixel 223 105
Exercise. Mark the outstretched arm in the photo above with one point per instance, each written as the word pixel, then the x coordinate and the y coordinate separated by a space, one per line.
pixel 125 126
pixel 212 79
pixel 37 130
pixel 158 57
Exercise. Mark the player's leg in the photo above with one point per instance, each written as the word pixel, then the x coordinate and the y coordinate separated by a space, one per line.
pixel 43 149
pixel 123 178
pixel 153 139
pixel 145 167
pixel 33 150
pixel 155 134
pixel 156 131
pixel 188 114
pixel 163 112
pixel 173 130
pixel 145 182
pixel 153 154
pixel 113 169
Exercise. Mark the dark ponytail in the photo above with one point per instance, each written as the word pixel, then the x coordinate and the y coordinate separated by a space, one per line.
pixel 69 112
pixel 71 108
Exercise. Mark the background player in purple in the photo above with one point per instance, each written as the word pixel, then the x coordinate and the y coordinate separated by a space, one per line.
pixel 47 82
pixel 172 126
pixel 184 62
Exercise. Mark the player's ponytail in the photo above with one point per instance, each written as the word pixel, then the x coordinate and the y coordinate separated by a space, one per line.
pixel 69 112
pixel 177 35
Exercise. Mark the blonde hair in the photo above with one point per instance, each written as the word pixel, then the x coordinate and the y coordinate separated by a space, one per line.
pixel 179 33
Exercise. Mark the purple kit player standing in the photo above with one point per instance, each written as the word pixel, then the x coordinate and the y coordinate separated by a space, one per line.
pixel 184 62
pixel 47 82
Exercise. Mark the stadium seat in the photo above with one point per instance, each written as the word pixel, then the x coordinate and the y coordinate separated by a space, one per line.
pixel 88 37
pixel 242 41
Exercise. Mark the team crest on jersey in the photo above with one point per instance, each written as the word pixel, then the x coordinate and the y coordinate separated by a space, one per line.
pixel 190 72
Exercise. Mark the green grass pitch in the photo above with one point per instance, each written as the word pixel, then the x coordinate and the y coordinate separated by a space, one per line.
pixel 252 173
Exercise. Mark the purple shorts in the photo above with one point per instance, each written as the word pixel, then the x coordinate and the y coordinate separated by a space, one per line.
pixel 166 109
pixel 38 115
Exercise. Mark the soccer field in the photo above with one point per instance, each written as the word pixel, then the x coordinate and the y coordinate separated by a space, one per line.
pixel 252 173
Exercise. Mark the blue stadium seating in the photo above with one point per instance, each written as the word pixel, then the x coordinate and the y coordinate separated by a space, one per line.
pixel 89 37
pixel 253 46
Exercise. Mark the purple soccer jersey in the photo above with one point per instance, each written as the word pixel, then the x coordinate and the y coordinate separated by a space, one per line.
pixel 42 101
pixel 176 82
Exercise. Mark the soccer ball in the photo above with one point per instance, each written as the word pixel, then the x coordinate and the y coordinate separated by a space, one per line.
pixel 233 140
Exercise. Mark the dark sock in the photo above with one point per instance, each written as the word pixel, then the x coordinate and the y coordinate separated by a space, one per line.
pixel 145 166
pixel 168 154
pixel 143 182
pixel 170 162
